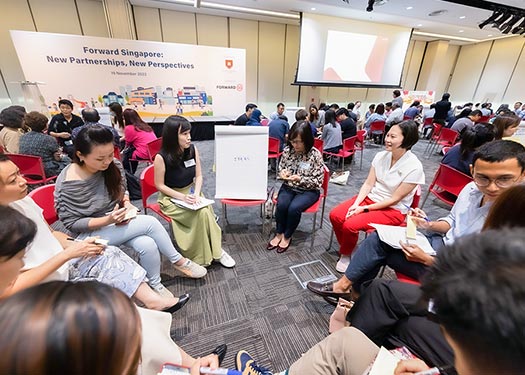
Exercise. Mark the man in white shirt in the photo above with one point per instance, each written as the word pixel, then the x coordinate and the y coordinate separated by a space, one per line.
pixel 396 116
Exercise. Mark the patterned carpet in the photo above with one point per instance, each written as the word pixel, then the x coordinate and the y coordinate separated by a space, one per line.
pixel 259 305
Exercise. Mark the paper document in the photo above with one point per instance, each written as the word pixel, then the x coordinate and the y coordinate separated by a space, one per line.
pixel 203 203
pixel 131 213
pixel 391 235
pixel 411 228
pixel 384 364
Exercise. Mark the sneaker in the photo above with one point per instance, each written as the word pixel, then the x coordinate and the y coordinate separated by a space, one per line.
pixel 191 269
pixel 247 365
pixel 342 264
pixel 226 260
pixel 162 291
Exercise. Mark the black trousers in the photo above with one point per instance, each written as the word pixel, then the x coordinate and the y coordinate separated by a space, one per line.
pixel 392 314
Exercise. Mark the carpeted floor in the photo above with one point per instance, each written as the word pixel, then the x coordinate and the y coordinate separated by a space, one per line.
pixel 259 305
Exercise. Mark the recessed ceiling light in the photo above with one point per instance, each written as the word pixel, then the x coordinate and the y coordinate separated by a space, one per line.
pixel 462 17
pixel 419 24
pixel 408 8
pixel 312 8
pixel 461 31
pixel 489 35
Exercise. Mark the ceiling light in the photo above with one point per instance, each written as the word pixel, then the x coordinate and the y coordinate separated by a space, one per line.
pixel 462 17
pixel 461 31
pixel 493 17
pixel 312 8
pixel 419 25
pixel 489 35
pixel 408 8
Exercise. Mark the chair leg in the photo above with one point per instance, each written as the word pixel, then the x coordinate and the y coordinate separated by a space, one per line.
pixel 322 213
pixel 331 239
pixel 224 215
pixel 313 231
pixel 361 163
pixel 425 199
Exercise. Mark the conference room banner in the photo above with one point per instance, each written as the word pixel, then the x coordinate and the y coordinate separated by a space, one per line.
pixel 157 79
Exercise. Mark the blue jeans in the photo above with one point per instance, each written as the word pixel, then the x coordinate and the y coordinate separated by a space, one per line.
pixel 147 237
pixel 290 205
pixel 373 253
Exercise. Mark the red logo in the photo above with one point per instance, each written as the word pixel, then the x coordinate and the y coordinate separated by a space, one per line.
pixel 239 87
pixel 228 63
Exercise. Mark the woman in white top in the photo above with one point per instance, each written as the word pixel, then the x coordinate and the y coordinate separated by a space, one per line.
pixel 386 193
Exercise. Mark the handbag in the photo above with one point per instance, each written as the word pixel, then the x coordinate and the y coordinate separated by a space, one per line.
pixel 340 178
pixel 338 317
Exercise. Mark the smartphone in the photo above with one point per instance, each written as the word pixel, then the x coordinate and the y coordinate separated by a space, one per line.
pixel 173 369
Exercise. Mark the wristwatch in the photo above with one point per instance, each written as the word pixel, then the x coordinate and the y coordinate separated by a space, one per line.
pixel 366 209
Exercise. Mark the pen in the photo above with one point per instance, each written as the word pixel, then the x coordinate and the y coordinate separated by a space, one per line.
pixel 219 371
pixel 443 370
pixel 411 209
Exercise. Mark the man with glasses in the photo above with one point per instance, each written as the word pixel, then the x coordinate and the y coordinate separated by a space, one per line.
pixel 496 166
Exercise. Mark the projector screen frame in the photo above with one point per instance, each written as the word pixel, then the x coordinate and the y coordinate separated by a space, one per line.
pixel 345 84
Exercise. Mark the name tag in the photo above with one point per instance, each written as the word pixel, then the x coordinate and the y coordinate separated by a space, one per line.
pixel 304 165
pixel 68 142
pixel 189 163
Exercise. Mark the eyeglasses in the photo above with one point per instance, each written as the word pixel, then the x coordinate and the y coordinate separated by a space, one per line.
pixel 501 182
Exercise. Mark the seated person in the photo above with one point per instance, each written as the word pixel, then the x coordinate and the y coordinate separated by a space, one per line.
pixel 62 124
pixel 506 125
pixel 486 337
pixel 395 117
pixel 12 118
pixel 39 144
pixel 332 136
pixel 279 129
pixel 53 256
pixel 413 110
pixel 90 116
pixel 496 167
pixel 378 115
pixel 386 193
pixel 91 200
pixel 243 119
pixel 348 126
pixel 280 111
pixel 460 155
pixel 389 312
pixel 178 175
pixel 467 122
pixel 255 118
pixel 301 167
pixel 315 117
pixel 137 134
pixel 302 115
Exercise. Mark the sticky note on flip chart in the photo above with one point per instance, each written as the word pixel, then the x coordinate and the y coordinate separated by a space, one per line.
pixel 411 228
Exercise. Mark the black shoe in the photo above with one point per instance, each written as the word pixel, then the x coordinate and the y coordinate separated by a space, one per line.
pixel 179 305
pixel 220 351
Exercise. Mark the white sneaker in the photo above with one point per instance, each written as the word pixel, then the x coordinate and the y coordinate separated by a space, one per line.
pixel 162 291
pixel 342 264
pixel 191 269
pixel 226 260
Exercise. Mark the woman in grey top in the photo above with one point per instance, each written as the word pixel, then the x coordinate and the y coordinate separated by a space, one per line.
pixel 91 199
pixel 332 135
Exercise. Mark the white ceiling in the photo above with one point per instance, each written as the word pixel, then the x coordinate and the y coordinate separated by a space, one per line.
pixel 393 12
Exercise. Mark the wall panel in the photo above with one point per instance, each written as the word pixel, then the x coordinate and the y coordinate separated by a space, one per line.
pixel 467 72
pixel 271 65
pixel 147 23
pixel 92 18
pixel 245 34
pixel 212 30
pixel 516 88
pixel 291 56
pixel 178 27
pixel 56 16
pixel 498 70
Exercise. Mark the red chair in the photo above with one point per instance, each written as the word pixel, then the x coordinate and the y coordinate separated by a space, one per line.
pixel 241 203
pixel 428 121
pixel 45 199
pixel 116 153
pixel 447 138
pixel 147 184
pixel 377 127
pixel 360 145
pixel 407 279
pixel 436 131
pixel 32 168
pixel 318 144
pixel 447 184
pixel 153 149
pixel 347 150
pixel 274 152
pixel 483 119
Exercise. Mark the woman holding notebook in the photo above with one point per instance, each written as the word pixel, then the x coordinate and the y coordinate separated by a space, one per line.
pixel 178 177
